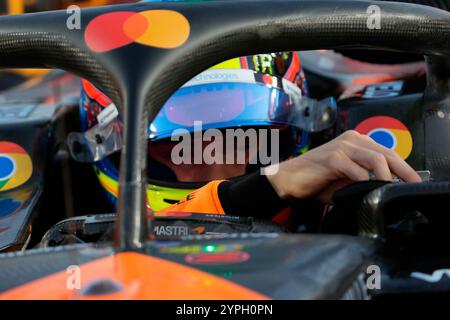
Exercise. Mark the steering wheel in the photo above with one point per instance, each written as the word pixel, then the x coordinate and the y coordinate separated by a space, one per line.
pixel 140 75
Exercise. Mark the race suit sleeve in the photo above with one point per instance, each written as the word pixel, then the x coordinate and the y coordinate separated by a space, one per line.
pixel 252 195
pixel 203 200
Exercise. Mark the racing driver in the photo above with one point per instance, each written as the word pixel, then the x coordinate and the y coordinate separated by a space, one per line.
pixel 262 91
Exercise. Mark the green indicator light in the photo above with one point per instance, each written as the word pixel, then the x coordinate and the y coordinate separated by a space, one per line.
pixel 210 248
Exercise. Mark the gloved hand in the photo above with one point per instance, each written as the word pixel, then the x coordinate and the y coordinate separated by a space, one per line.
pixel 348 158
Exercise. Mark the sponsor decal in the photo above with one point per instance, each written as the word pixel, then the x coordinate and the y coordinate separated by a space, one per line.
pixel 171 231
pixel 214 258
pixel 209 248
pixel 388 132
pixel 164 29
pixel 11 202
pixel 107 115
pixel 223 76
pixel 383 90
pixel 15 166
pixel 8 207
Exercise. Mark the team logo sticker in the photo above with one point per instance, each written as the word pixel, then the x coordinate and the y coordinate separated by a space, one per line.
pixel 8 207
pixel 165 29
pixel 15 166
pixel 12 202
pixel 388 132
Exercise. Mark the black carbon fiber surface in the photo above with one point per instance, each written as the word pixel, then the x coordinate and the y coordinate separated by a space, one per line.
pixel 440 4
pixel 390 203
pixel 285 266
pixel 49 50
pixel 21 268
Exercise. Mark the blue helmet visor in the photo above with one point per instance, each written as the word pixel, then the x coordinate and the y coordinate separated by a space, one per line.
pixel 222 98
pixel 217 98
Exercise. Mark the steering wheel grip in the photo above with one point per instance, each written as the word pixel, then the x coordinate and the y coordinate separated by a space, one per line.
pixel 390 203
pixel 343 215
pixel 368 208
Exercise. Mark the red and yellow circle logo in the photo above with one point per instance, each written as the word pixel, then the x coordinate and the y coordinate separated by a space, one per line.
pixel 15 166
pixel 165 29
pixel 388 132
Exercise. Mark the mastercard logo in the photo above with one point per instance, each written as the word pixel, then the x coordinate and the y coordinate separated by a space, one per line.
pixel 165 29
pixel 388 132
pixel 15 166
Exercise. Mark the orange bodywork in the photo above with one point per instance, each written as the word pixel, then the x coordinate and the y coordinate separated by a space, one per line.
pixel 141 277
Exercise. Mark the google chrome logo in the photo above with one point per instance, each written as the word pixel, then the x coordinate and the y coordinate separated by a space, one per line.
pixel 165 29
pixel 15 166
pixel 388 132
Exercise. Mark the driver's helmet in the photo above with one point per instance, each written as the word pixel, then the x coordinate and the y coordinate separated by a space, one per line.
pixel 260 91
